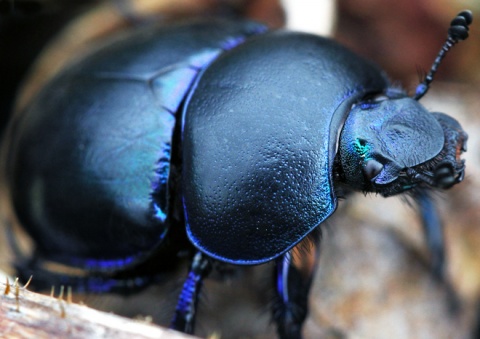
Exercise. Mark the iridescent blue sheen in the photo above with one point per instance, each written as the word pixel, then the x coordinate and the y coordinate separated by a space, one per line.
pixel 361 148
pixel 282 277
pixel 234 41
pixel 95 189
pixel 159 214
pixel 101 285
pixel 188 292
pixel 106 264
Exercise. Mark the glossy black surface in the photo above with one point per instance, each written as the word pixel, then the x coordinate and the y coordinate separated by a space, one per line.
pixel 260 137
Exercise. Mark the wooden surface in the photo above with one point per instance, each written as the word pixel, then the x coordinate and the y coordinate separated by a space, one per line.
pixel 24 314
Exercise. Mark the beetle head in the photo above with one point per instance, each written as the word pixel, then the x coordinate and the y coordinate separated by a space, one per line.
pixel 390 145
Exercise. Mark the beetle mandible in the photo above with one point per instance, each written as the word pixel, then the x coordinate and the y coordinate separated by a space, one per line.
pixel 219 135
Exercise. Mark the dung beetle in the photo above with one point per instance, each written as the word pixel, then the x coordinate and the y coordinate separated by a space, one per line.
pixel 220 139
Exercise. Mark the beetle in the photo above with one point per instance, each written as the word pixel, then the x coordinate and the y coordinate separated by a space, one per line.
pixel 221 138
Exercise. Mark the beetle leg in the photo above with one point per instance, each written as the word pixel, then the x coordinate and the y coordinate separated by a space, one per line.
pixel 293 278
pixel 184 319
pixel 433 229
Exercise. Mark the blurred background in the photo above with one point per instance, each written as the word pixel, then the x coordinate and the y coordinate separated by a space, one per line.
pixel 373 279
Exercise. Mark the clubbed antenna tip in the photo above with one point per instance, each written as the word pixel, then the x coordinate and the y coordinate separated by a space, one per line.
pixel 458 31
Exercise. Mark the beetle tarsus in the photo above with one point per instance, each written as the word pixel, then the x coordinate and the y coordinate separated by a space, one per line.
pixel 184 319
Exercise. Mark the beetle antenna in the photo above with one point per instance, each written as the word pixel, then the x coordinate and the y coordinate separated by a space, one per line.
pixel 458 31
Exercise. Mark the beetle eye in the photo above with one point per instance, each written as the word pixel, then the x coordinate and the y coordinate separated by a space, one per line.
pixel 371 169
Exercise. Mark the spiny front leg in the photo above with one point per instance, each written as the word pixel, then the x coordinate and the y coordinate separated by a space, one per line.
pixel 184 319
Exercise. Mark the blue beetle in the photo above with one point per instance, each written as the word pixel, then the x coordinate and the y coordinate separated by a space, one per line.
pixel 220 138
